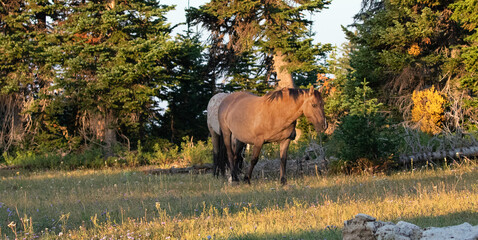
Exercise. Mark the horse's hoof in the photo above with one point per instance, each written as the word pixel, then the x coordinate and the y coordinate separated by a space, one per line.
pixel 283 181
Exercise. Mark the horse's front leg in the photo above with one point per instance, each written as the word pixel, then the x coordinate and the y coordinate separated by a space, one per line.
pixel 284 146
pixel 256 150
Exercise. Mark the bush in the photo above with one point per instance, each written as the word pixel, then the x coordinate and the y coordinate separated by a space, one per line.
pixel 29 159
pixel 363 142
pixel 428 110
pixel 164 153
pixel 196 153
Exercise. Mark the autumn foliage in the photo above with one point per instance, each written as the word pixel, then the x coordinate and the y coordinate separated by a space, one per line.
pixel 428 110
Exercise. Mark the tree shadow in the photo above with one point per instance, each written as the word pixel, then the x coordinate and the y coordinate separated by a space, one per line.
pixel 444 220
pixel 187 203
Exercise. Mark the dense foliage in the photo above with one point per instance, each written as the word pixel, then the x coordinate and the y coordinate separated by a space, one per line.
pixel 81 74
pixel 403 46
pixel 268 37
pixel 108 78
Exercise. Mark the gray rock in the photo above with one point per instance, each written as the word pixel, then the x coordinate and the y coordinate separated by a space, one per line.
pixel 363 226
pixel 463 231
pixel 400 231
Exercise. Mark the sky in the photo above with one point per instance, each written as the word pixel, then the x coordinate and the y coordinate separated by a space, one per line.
pixel 326 23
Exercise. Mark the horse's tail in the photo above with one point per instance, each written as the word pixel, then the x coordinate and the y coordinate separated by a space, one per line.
pixel 222 160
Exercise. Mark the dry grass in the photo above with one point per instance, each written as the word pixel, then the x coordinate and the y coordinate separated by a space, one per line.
pixel 127 204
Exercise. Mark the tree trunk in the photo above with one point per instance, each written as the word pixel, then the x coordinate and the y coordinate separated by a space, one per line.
pixel 283 75
pixel 12 125
pixel 459 152
pixel 110 133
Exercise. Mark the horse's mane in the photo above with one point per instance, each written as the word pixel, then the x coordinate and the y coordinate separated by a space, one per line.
pixel 293 92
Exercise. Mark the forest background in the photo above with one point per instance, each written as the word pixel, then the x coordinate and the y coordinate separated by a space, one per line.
pixel 81 82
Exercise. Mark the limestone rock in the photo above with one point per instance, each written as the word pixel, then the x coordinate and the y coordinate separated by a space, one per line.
pixel 400 231
pixel 363 226
pixel 463 231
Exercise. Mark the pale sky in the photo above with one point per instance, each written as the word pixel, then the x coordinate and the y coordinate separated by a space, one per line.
pixel 326 23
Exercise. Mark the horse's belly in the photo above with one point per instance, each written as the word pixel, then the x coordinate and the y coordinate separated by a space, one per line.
pixel 262 135
pixel 280 136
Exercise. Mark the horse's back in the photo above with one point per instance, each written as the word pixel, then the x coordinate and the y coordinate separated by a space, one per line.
pixel 212 111
pixel 238 114
pixel 236 102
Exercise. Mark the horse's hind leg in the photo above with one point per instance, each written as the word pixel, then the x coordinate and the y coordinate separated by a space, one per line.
pixel 215 153
pixel 239 147
pixel 227 142
pixel 284 146
pixel 222 160
pixel 256 150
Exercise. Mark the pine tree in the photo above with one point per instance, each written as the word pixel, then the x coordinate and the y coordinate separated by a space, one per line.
pixel 112 65
pixel 402 46
pixel 275 32
pixel 464 58
pixel 187 92
pixel 26 66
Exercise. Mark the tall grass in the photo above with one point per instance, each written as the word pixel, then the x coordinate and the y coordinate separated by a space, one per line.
pixel 128 204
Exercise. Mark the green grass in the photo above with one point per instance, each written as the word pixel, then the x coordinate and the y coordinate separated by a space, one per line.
pixel 127 204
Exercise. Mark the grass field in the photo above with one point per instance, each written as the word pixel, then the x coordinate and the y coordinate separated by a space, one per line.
pixel 128 204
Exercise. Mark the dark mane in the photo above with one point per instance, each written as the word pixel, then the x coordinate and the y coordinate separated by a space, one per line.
pixel 293 92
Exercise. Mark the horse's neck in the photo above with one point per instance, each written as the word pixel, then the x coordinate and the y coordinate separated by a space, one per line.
pixel 289 109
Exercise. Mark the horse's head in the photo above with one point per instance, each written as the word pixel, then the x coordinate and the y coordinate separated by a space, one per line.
pixel 313 109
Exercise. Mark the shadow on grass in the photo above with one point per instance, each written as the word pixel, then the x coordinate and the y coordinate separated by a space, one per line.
pixel 444 220
pixel 328 234
pixel 336 233
pixel 115 202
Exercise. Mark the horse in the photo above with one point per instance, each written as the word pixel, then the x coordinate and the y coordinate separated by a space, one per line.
pixel 218 148
pixel 271 118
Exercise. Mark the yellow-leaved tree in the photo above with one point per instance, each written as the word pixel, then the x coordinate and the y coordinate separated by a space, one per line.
pixel 428 110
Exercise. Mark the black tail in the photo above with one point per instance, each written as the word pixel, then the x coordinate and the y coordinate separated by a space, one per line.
pixel 221 161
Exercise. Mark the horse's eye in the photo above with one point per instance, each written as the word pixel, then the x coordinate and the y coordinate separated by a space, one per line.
pixel 314 105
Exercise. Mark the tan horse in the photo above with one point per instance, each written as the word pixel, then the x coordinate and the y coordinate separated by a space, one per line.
pixel 271 118
pixel 218 149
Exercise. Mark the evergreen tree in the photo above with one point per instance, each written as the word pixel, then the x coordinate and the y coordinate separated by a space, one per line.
pixel 402 46
pixel 464 60
pixel 187 92
pixel 26 66
pixel 113 55
pixel 275 32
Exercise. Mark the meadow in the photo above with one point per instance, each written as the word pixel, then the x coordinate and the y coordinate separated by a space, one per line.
pixel 129 204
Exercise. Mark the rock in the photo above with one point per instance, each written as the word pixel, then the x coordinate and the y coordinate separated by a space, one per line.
pixel 363 226
pixel 400 231
pixel 463 231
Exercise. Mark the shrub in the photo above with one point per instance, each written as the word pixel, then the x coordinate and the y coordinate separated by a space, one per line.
pixel 164 153
pixel 428 110
pixel 196 153
pixel 363 142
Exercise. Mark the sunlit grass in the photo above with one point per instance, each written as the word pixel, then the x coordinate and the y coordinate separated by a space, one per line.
pixel 130 204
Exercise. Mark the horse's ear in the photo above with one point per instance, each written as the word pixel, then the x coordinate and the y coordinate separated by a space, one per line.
pixel 311 90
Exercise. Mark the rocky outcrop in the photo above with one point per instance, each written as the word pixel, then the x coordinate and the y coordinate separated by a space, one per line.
pixel 367 227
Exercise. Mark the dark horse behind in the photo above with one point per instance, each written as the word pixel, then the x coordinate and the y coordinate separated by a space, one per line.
pixel 220 161
pixel 250 119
